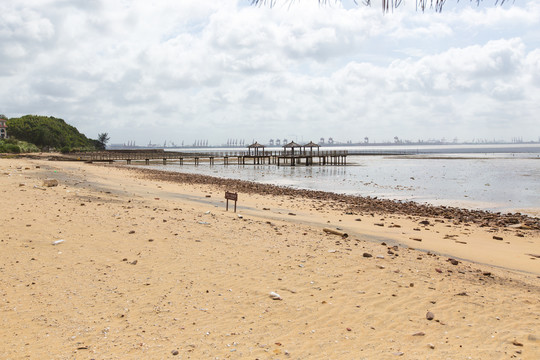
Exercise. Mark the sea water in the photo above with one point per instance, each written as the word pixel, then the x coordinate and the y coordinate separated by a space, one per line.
pixel 494 181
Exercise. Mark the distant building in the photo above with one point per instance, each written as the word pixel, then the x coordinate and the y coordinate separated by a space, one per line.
pixel 3 128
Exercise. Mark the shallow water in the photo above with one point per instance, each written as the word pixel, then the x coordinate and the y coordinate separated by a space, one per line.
pixel 505 182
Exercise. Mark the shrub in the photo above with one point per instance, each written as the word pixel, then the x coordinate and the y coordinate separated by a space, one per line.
pixel 11 140
pixel 12 148
pixel 27 147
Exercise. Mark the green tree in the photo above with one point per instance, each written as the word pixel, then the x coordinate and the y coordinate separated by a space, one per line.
pixel 102 140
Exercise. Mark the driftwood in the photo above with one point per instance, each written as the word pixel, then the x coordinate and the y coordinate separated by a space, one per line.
pixel 336 232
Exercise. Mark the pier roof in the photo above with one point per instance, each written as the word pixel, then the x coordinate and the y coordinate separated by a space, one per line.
pixel 255 145
pixel 292 144
pixel 311 144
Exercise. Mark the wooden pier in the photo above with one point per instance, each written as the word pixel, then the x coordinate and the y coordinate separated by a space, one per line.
pixel 292 154
pixel 278 158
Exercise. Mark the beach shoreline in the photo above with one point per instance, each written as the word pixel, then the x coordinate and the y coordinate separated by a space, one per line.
pixel 360 204
pixel 480 183
pixel 153 266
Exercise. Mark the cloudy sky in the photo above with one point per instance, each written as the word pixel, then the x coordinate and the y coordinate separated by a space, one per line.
pixel 180 71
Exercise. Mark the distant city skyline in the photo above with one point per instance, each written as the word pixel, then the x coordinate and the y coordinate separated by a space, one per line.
pixel 205 70
pixel 241 143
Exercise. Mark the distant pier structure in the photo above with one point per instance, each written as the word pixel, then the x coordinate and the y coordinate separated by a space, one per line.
pixel 293 154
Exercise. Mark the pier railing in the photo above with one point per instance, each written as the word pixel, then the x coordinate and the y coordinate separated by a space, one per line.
pixel 275 153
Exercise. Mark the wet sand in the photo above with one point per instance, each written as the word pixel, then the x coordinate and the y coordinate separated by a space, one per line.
pixel 152 266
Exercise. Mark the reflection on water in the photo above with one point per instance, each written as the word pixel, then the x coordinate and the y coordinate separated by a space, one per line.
pixel 497 182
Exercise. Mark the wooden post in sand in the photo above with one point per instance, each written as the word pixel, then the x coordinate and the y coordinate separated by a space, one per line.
pixel 231 196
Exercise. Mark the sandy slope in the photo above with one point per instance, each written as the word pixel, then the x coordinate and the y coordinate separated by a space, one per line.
pixel 150 268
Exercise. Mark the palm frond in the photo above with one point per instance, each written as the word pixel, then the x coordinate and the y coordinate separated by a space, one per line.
pixel 387 5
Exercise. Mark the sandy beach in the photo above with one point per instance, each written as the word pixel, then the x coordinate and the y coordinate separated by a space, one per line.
pixel 116 263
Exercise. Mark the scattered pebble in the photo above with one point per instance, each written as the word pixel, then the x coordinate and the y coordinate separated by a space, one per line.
pixel 50 182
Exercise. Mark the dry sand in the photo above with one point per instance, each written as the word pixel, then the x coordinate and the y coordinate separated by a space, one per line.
pixel 152 269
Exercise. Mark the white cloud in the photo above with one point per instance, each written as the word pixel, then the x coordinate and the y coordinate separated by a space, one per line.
pixel 465 69
pixel 532 70
pixel 490 17
pixel 204 69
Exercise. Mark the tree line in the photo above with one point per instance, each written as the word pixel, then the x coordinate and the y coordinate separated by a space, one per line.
pixel 49 133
